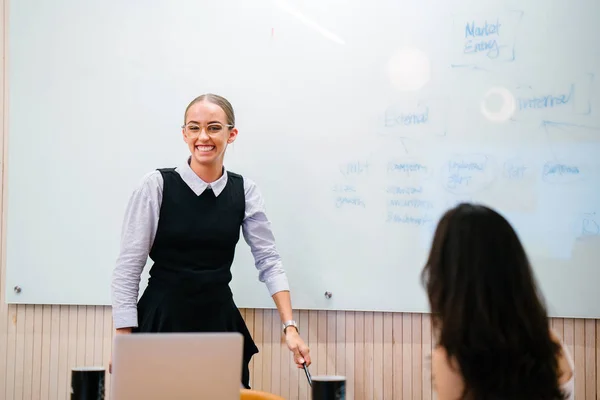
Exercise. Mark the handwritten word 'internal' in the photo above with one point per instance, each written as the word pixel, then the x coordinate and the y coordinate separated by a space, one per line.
pixel 482 38
pixel 351 201
pixel 467 174
pixel 545 101
pixel 406 119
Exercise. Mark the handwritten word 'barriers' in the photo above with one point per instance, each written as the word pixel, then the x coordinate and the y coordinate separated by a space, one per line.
pixel 483 38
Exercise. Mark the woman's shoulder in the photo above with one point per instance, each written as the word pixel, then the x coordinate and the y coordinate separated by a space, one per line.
pixel 250 186
pixel 447 379
pixel 565 362
pixel 151 183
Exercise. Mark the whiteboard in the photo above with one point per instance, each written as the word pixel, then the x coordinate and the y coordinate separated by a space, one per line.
pixel 361 121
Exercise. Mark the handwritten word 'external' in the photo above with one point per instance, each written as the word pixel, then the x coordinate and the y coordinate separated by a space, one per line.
pixel 406 119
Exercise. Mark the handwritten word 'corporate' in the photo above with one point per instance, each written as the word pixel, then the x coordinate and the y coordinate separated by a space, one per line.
pixel 483 38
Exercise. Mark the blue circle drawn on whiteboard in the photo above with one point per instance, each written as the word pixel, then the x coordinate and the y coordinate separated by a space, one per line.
pixel 508 105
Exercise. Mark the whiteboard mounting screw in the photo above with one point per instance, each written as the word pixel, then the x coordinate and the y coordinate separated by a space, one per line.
pixel 17 289
pixel 328 295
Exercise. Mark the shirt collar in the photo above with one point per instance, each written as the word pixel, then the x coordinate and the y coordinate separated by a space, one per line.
pixel 197 185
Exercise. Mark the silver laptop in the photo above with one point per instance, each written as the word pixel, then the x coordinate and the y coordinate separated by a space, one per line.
pixel 177 366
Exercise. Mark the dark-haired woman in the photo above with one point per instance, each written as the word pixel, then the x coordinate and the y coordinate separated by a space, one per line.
pixel 493 339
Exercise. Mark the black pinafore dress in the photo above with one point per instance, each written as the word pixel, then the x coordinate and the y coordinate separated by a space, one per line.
pixel 188 289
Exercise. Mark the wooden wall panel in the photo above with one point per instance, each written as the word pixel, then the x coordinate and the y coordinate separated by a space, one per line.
pixel 383 355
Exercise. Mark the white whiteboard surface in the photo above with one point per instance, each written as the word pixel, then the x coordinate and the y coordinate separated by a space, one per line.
pixel 361 121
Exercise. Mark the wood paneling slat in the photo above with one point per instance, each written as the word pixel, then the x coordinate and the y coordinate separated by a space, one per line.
pixel 368 354
pixel 19 352
pixel 350 358
pixel 36 362
pixel 590 359
pixel 388 356
pixel 397 350
pixel 579 345
pixel 63 353
pixel 407 356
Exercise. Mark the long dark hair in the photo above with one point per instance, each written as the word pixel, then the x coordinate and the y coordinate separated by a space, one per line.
pixel 487 311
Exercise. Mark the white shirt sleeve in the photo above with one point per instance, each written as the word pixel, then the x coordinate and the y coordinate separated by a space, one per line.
pixel 256 229
pixel 137 236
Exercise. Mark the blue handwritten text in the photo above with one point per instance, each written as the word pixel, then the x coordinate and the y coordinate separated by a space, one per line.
pixel 406 119
pixel 413 203
pixel 355 168
pixel 545 101
pixel 404 190
pixel 351 201
pixel 480 38
pixel 407 219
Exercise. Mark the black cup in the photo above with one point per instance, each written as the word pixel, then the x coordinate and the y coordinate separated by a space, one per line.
pixel 87 383
pixel 328 388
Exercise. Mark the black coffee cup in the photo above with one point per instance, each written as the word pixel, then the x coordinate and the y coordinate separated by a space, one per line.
pixel 87 383
pixel 328 387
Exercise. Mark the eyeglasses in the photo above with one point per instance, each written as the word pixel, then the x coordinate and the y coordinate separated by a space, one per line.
pixel 192 131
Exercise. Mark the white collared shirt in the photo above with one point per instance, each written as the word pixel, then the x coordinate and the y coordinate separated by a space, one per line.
pixel 139 229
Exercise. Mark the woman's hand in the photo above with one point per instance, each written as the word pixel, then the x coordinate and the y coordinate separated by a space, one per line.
pixel 297 346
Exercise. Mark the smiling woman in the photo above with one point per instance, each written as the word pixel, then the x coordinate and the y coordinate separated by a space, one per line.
pixel 187 220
